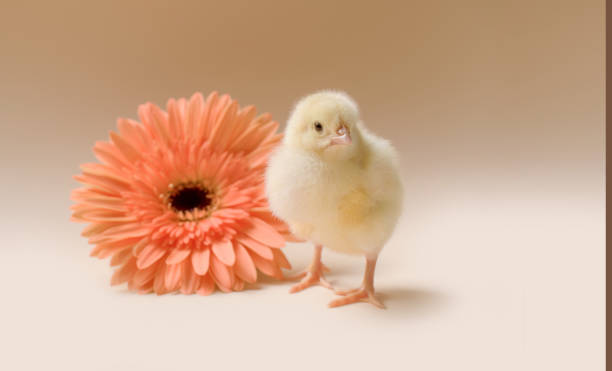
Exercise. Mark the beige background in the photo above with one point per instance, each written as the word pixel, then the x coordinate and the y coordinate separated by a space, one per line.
pixel 496 108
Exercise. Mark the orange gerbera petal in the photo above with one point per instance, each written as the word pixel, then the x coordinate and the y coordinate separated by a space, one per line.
pixel 255 246
pixel 264 233
pixel 281 259
pixel 207 285
pixel 222 274
pixel 173 276
pixel 150 255
pixel 200 260
pixel 124 273
pixel 244 268
pixel 190 280
pixel 145 275
pixel 177 256
pixel 224 251
pixel 121 257
pixel 266 266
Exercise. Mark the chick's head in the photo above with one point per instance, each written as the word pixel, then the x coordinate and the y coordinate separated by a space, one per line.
pixel 325 123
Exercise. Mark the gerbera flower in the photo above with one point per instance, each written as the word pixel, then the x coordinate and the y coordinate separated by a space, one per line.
pixel 177 200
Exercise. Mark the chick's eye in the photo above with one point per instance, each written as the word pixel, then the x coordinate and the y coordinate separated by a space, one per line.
pixel 318 127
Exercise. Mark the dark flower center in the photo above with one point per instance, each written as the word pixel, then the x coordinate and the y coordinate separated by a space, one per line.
pixel 190 198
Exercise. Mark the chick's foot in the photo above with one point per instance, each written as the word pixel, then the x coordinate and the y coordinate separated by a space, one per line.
pixel 357 295
pixel 310 278
pixel 313 276
pixel 365 293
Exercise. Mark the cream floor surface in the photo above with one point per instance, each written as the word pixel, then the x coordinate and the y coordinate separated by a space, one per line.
pixel 471 280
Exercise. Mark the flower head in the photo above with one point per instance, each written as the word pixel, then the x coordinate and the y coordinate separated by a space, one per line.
pixel 177 199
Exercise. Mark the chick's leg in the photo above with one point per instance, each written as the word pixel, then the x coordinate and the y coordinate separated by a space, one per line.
pixel 365 293
pixel 314 274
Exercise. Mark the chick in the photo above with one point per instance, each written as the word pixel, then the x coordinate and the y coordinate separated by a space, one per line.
pixel 335 184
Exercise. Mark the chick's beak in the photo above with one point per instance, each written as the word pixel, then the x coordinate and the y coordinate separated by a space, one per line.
pixel 343 137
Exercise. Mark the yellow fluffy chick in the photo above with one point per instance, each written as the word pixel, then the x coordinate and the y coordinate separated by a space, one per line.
pixel 336 184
